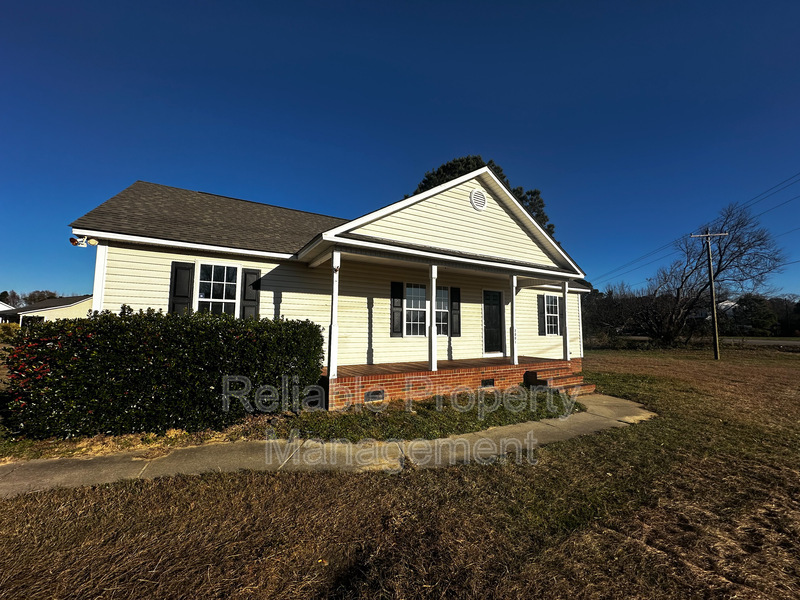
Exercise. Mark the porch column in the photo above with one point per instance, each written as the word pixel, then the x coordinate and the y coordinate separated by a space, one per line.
pixel 432 322
pixel 333 332
pixel 514 351
pixel 565 330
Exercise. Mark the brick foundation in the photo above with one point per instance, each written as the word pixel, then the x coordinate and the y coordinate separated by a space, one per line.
pixel 344 391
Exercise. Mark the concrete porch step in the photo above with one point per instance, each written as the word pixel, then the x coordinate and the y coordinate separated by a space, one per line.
pixel 583 389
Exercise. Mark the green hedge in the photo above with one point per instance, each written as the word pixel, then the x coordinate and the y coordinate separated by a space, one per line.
pixel 148 371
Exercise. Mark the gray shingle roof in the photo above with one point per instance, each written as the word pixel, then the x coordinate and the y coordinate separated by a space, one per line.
pixel 49 303
pixel 163 212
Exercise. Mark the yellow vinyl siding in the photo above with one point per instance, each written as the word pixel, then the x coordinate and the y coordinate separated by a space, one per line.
pixel 530 343
pixel 447 221
pixel 575 332
pixel 76 311
pixel 139 276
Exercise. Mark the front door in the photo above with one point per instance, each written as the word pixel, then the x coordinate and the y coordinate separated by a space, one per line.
pixel 492 321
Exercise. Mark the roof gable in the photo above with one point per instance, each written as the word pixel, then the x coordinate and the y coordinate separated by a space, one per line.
pixel 444 219
pixel 167 213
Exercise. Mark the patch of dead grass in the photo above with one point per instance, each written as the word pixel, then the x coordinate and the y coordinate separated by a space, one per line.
pixel 702 502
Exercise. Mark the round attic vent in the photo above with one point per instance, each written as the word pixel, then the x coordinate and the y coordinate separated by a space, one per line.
pixel 478 199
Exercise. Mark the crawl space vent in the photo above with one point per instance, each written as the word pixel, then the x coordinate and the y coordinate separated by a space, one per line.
pixel 478 199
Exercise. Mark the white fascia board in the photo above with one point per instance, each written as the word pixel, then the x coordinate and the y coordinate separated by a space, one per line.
pixel 137 239
pixel 444 257
pixel 525 214
pixel 549 286
pixel 394 207
pixel 38 310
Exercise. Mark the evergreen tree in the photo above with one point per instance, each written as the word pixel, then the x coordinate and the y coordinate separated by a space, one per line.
pixel 531 200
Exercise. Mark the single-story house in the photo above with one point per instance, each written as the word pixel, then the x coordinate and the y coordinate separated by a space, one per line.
pixel 455 286
pixel 68 307
pixel 5 313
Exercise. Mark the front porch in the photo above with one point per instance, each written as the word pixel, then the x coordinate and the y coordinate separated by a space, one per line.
pixel 415 380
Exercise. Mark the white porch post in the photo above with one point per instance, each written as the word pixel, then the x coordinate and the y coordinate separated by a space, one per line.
pixel 333 332
pixel 514 351
pixel 565 331
pixel 432 321
pixel 98 290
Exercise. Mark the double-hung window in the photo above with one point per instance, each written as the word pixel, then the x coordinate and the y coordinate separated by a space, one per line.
pixel 551 315
pixel 409 310
pixel 442 310
pixel 218 289
pixel 415 309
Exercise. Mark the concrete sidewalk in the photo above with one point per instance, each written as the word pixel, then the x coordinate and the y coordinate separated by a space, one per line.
pixel 603 412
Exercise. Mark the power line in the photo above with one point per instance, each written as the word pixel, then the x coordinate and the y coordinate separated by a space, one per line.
pixel 602 279
pixel 777 206
pixel 788 232
pixel 751 202
pixel 633 262
pixel 757 199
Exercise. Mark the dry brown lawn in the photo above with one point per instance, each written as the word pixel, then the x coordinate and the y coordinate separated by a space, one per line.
pixel 702 502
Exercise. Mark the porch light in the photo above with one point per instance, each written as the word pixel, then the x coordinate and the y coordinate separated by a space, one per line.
pixel 83 241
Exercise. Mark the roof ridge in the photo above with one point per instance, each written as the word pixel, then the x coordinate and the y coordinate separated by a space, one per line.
pixel 307 212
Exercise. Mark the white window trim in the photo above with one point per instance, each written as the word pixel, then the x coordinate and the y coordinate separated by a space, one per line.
pixel 557 315
pixel 196 295
pixel 405 305
pixel 446 310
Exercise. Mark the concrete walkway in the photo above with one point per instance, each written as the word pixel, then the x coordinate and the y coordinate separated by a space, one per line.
pixel 603 412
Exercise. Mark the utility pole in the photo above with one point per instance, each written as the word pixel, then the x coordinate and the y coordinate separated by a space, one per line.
pixel 708 237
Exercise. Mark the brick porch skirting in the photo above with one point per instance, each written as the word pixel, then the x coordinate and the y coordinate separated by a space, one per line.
pixel 418 385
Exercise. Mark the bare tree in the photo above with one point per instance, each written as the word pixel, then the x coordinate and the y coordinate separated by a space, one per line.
pixel 676 301
pixel 11 298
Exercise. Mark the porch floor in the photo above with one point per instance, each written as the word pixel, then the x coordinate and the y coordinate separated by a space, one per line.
pixel 442 365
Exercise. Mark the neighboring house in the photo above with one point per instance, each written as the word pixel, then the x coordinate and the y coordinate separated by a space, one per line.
pixel 5 313
pixel 69 307
pixel 454 286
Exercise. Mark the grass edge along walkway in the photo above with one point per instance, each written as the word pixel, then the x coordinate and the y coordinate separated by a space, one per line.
pixel 518 440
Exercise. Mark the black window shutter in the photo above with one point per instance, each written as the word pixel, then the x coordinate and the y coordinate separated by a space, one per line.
pixel 562 315
pixel 181 287
pixel 455 312
pixel 542 317
pixel 251 293
pixel 397 309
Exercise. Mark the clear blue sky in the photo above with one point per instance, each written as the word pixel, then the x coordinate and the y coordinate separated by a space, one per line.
pixel 637 120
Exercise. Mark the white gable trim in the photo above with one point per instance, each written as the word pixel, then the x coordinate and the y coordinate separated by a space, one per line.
pixel 343 242
pixel 331 234
pixel 138 239
pixel 387 210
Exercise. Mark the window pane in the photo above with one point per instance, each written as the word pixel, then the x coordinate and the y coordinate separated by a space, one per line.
pixel 217 291
pixel 442 323
pixel 205 272
pixel 216 308
pixel 219 273
pixel 230 291
pixel 442 298
pixel 230 308
pixel 230 276
pixel 203 306
pixel 205 290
